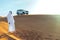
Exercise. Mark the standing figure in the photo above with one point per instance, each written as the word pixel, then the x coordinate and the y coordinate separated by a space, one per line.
pixel 11 22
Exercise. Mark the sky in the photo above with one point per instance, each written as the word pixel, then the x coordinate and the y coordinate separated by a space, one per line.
pixel 14 5
pixel 33 6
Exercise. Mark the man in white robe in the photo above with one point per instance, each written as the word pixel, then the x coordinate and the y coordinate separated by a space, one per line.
pixel 11 22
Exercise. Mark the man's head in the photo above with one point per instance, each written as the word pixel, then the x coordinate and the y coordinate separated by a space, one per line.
pixel 10 12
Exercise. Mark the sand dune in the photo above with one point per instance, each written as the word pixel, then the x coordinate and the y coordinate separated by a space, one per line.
pixel 37 27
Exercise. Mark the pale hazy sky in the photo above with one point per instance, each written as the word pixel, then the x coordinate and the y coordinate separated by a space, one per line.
pixel 33 6
pixel 47 7
pixel 14 5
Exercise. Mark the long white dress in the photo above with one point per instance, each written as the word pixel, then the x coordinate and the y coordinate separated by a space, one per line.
pixel 11 27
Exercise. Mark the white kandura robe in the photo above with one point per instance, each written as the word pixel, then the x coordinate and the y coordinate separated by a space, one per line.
pixel 11 27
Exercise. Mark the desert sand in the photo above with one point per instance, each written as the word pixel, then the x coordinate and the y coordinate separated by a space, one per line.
pixel 37 27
